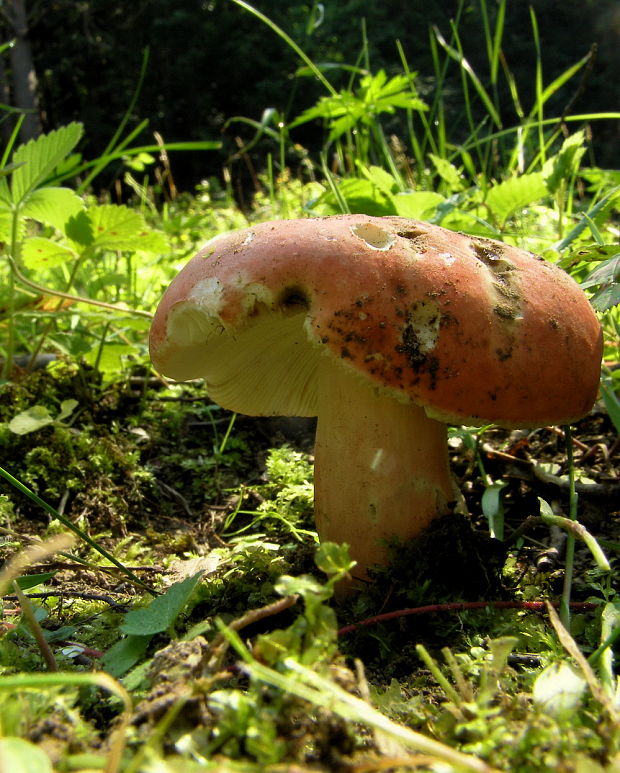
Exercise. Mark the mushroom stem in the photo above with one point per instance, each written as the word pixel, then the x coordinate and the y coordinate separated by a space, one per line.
pixel 381 467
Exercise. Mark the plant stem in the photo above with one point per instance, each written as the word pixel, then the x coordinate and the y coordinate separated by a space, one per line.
pixel 570 539
pixel 35 628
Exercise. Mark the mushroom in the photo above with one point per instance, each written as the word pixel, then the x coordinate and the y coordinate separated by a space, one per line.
pixel 386 329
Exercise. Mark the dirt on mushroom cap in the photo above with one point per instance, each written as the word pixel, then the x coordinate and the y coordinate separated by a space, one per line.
pixel 471 328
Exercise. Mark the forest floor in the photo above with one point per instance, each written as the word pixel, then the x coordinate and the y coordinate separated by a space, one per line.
pixel 173 486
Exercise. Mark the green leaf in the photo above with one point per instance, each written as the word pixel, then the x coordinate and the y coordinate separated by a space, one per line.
pixel 139 162
pixel 20 756
pixel 53 206
pixel 384 181
pixel 493 508
pixel 30 420
pixel 40 253
pixel 303 584
pixel 32 580
pixel 612 403
pixel 558 689
pixel 599 210
pixel 605 272
pixel 6 224
pixel 361 197
pixel 606 298
pixel 79 229
pixel 564 164
pixel 124 654
pixel 39 158
pixel 120 228
pixel 515 193
pixel 109 359
pixel 162 611
pixel 333 559
pixel 448 172
pixel 419 205
pixel 66 409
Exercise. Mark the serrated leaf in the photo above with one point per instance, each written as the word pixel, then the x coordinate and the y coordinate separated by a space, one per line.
pixel 606 298
pixel 120 228
pixel 40 253
pixel 53 206
pixel 162 611
pixel 30 420
pixel 39 157
pixel 514 194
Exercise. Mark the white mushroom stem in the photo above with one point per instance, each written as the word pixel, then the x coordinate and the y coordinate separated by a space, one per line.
pixel 381 467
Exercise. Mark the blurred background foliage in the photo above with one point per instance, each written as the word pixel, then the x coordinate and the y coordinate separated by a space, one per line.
pixel 210 61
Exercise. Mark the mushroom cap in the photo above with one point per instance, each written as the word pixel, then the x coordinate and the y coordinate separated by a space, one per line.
pixel 474 330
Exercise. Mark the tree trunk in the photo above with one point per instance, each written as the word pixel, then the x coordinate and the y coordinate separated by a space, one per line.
pixel 24 77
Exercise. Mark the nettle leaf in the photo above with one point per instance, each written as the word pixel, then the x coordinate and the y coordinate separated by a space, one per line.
pixel 162 611
pixel 515 193
pixel 39 157
pixel 120 228
pixel 40 253
pixel 53 206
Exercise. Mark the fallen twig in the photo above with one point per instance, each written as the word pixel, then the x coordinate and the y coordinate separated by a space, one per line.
pixel 460 606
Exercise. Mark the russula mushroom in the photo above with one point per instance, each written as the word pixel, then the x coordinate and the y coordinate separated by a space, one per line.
pixel 385 329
